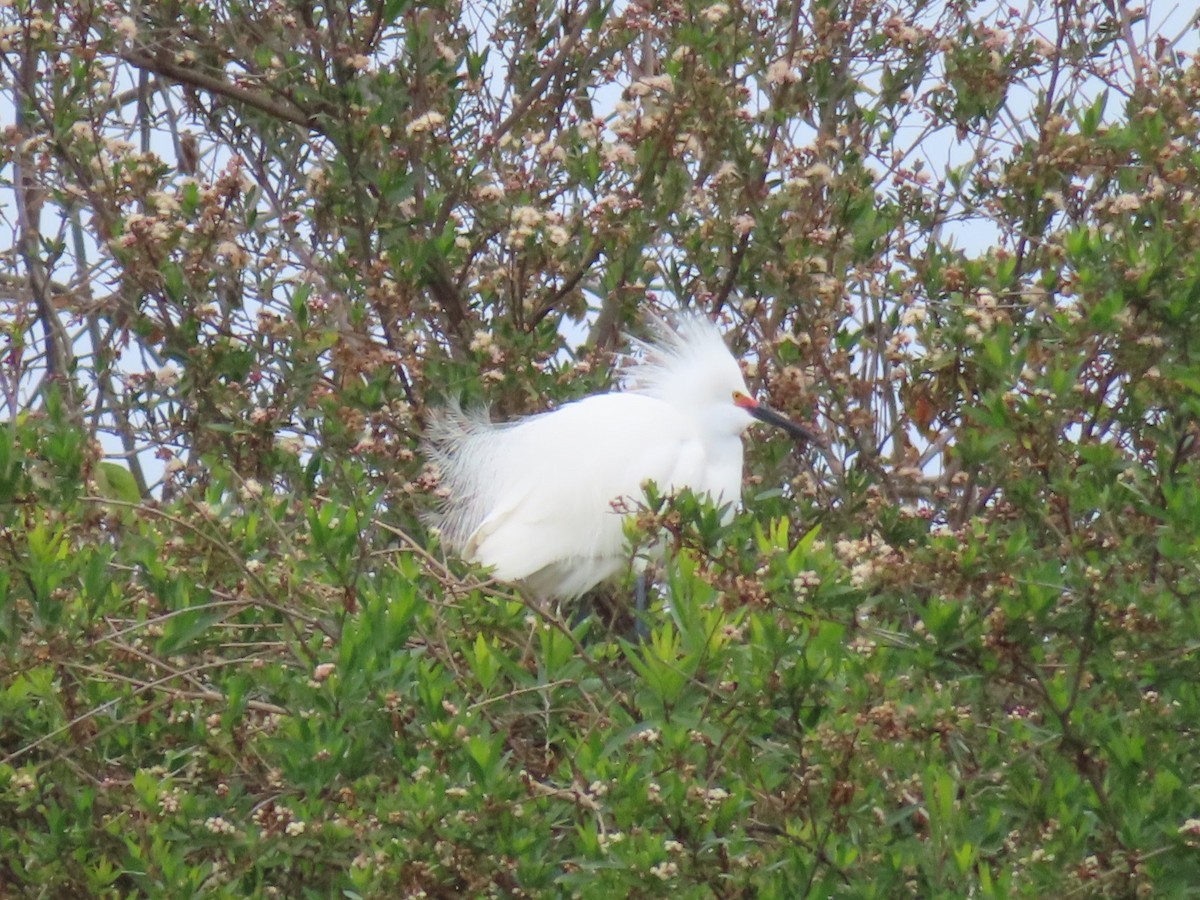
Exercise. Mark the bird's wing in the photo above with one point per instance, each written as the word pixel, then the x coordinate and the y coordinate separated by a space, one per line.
pixel 563 471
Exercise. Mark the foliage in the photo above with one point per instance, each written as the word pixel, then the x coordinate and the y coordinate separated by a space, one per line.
pixel 951 652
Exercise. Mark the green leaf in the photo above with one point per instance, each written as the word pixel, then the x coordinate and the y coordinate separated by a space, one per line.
pixel 184 628
pixel 115 482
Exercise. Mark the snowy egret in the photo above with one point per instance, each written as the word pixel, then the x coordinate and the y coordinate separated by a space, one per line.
pixel 537 500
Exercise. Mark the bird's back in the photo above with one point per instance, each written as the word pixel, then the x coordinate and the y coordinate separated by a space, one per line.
pixel 534 500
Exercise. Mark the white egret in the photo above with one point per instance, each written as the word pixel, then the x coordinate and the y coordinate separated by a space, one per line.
pixel 537 500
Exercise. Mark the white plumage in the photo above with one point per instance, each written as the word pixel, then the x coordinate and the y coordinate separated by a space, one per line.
pixel 534 499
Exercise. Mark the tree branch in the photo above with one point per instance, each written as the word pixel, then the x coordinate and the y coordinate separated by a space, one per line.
pixel 277 107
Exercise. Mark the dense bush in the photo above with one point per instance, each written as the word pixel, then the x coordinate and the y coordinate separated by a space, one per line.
pixel 951 653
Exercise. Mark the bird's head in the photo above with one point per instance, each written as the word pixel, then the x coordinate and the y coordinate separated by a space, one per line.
pixel 752 410
pixel 688 365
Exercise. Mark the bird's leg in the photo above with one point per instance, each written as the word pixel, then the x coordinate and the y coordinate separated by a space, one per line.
pixel 640 630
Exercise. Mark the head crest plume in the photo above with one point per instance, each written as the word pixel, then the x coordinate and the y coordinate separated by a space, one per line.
pixel 677 347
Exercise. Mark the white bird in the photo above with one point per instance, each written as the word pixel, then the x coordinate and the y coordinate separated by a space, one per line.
pixel 537 500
